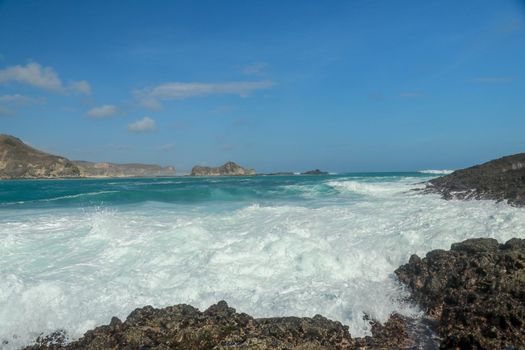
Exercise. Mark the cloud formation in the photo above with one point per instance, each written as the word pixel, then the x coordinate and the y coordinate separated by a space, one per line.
pixel 21 100
pixel 151 98
pixel 33 74
pixel 104 111
pixel 146 124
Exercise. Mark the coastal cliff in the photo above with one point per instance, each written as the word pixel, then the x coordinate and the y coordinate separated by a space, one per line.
pixel 502 179
pixel 20 161
pixel 472 295
pixel 228 169
pixel 91 169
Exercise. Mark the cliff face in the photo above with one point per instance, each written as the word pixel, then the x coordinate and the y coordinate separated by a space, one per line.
pixel 500 179
pixel 18 160
pixel 228 169
pixel 89 169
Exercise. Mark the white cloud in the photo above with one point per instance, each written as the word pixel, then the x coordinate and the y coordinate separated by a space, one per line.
pixel 82 87
pixel 256 68
pixel 104 111
pixel 146 124
pixel 32 74
pixel 46 78
pixel 151 97
pixel 21 100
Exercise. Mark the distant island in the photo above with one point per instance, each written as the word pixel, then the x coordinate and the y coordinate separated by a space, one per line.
pixel 227 169
pixel 315 172
pixel 21 161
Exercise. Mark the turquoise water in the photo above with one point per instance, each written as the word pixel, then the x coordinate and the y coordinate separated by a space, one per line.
pixel 74 253
pixel 181 190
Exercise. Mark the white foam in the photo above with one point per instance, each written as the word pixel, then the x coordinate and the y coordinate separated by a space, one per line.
pixel 436 172
pixel 74 269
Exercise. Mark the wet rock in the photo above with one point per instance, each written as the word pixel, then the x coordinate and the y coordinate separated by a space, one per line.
pixel 475 292
pixel 502 179
pixel 221 327
pixel 314 172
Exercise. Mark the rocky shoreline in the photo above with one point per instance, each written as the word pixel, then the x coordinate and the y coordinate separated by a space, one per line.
pixel 473 297
pixel 501 179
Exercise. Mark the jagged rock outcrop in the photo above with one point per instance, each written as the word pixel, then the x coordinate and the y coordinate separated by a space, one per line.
pixel 502 179
pixel 475 292
pixel 221 327
pixel 20 161
pixel 90 169
pixel 228 169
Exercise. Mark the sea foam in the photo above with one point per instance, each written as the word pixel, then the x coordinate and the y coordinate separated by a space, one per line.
pixel 332 253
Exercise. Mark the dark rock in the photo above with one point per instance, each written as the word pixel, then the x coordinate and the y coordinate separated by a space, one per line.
pixel 475 292
pixel 501 180
pixel 221 327
pixel 228 169
pixel 315 172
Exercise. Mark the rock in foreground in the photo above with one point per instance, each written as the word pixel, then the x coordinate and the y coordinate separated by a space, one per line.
pixel 20 161
pixel 221 327
pixel 501 180
pixel 475 292
pixel 228 169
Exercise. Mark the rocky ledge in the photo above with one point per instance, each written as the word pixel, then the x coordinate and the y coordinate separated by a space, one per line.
pixel 228 169
pixel 475 293
pixel 502 179
pixel 473 297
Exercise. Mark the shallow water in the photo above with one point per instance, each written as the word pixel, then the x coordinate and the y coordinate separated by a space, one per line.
pixel 73 253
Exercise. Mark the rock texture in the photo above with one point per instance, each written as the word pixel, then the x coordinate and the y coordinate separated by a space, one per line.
pixel 314 172
pixel 501 180
pixel 228 169
pixel 20 161
pixel 475 292
pixel 90 169
pixel 221 327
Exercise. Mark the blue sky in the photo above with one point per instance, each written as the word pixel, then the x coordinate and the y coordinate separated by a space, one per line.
pixel 359 85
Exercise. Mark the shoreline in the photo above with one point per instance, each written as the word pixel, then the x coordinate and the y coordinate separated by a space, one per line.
pixel 471 296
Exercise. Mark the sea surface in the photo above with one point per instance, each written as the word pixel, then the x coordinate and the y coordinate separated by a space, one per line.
pixel 74 253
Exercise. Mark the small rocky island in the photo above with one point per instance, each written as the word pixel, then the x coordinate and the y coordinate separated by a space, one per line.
pixel 315 172
pixel 502 179
pixel 228 169
pixel 21 161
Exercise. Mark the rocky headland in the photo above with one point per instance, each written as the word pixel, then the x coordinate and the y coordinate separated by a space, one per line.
pixel 473 297
pixel 502 179
pixel 227 169
pixel 21 161
pixel 91 169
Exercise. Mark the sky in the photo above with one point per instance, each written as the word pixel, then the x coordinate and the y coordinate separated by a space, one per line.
pixel 354 85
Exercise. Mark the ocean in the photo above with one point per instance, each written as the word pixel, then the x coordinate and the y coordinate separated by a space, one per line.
pixel 74 253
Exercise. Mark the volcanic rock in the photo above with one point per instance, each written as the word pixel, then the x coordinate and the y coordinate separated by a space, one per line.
pixel 502 179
